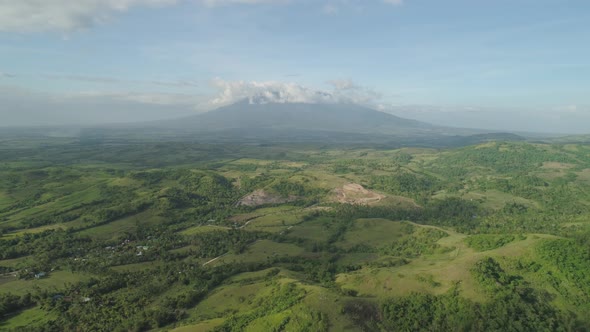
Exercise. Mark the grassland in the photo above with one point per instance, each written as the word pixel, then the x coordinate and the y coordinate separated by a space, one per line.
pixel 54 281
pixel 261 251
pixel 435 273
pixel 372 232
pixel 30 318
pixel 153 235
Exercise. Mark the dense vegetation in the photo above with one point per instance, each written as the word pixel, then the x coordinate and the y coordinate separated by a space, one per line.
pixel 127 236
pixel 483 242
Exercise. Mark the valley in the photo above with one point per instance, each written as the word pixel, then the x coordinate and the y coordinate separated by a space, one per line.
pixel 185 236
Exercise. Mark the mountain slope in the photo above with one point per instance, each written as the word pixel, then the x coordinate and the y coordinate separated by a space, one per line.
pixel 298 116
pixel 264 122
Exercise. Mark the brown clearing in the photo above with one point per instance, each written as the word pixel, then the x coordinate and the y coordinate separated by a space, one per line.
pixel 353 193
pixel 261 197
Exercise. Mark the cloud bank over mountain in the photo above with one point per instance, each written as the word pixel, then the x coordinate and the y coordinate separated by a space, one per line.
pixel 343 91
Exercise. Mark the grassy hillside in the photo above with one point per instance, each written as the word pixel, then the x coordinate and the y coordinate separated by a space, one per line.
pixel 130 236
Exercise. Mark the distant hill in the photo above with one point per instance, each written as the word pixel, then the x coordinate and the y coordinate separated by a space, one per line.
pixel 349 118
pixel 571 139
pixel 269 123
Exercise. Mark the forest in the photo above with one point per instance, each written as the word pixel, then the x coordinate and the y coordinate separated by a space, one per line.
pixel 187 236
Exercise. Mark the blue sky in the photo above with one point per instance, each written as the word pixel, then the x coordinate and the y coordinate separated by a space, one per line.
pixel 418 58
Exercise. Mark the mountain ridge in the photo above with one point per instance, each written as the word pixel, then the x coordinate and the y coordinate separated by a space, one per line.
pixel 339 117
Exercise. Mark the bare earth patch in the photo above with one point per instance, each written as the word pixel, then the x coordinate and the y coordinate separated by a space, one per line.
pixel 261 197
pixel 556 165
pixel 353 193
pixel 584 175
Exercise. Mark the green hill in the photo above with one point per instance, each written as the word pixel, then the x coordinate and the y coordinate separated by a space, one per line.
pixel 132 236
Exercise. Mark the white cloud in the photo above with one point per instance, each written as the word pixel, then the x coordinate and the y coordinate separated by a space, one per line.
pixel 354 92
pixel 116 80
pixel 334 7
pixel 25 107
pixel 267 92
pixel 344 91
pixel 212 3
pixel 330 9
pixel 394 2
pixel 567 108
pixel 163 99
pixel 6 75
pixel 572 109
pixel 149 98
pixel 72 15
pixel 63 15
pixel 343 84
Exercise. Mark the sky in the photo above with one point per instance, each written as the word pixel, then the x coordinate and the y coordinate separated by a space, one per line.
pixel 497 64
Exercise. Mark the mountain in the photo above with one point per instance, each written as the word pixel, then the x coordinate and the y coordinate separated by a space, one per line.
pixel 344 118
pixel 259 121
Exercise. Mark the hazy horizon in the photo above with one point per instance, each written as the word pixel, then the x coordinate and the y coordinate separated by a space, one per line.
pixel 499 65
